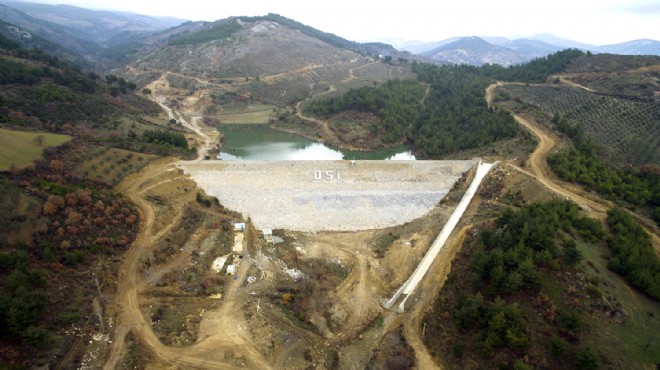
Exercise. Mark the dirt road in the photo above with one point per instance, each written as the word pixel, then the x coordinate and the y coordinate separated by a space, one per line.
pixel 130 281
pixel 538 164
pixel 329 135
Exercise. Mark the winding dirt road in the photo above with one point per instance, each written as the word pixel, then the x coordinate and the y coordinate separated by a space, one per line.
pixel 541 171
pixel 130 281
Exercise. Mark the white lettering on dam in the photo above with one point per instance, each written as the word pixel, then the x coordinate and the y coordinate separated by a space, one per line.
pixel 327 175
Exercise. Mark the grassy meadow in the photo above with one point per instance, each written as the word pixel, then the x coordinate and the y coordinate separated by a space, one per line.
pixel 21 148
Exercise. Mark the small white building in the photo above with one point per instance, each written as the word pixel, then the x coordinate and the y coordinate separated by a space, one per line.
pixel 239 226
pixel 219 263
pixel 268 235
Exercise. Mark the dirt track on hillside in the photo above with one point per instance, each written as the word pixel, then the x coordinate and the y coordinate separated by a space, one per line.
pixel 538 164
pixel 130 280
pixel 219 332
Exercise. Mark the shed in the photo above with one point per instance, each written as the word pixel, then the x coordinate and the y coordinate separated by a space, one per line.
pixel 268 235
pixel 240 226
pixel 219 263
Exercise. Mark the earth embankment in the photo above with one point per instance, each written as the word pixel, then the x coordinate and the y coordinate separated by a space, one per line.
pixel 328 195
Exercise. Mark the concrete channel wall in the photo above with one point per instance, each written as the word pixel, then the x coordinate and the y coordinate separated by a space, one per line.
pixel 409 286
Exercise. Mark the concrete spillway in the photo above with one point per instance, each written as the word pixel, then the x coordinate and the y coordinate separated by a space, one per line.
pixel 409 286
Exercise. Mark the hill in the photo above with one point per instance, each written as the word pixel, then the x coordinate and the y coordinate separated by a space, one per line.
pixel 634 47
pixel 63 36
pixel 473 51
pixel 60 219
pixel 531 290
pixel 450 117
pixel 616 108
pixel 222 70
pixel 90 38
pixel 103 28
pixel 625 130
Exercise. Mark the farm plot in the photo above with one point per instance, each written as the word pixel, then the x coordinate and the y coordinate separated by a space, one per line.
pixel 20 148
pixel 248 114
pixel 627 131
pixel 111 164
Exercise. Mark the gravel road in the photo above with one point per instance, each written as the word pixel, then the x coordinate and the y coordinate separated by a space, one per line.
pixel 328 195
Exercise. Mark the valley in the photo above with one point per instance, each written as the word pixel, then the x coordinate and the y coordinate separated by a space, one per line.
pixel 149 222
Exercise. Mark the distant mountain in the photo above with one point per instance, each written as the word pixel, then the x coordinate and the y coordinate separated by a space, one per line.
pixel 55 33
pixel 635 47
pixel 500 50
pixel 420 47
pixel 103 28
pixel 562 43
pixel 532 49
pixel 28 40
pixel 474 51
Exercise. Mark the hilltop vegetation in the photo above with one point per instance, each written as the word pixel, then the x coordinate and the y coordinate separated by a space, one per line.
pixel 215 32
pixel 453 117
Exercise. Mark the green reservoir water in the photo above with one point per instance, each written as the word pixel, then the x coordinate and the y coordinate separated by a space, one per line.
pixel 259 142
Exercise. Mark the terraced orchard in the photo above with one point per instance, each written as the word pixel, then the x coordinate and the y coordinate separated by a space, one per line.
pixel 627 131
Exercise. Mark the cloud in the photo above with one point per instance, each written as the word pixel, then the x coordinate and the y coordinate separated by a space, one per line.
pixel 643 9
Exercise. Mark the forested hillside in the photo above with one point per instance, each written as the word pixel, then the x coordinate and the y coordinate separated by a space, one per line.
pixel 42 92
pixel 395 104
pixel 522 296
pixel 453 117
pixel 62 226
pixel 636 187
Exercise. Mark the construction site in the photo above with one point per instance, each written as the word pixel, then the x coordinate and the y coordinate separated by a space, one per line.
pixel 328 195
pixel 298 265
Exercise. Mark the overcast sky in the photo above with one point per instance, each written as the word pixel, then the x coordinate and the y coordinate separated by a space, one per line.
pixel 591 21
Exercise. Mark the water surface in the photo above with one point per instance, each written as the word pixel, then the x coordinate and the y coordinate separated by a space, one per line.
pixel 260 142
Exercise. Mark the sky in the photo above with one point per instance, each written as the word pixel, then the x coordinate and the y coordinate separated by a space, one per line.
pixel 598 22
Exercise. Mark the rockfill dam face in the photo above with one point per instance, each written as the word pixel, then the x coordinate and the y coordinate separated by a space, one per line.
pixel 328 195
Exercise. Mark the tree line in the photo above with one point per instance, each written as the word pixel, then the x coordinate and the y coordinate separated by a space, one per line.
pixel 396 103
pixel 632 253
pixel 454 117
pixel 582 164
pixel 498 305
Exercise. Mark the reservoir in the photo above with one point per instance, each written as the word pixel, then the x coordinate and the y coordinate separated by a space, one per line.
pixel 260 142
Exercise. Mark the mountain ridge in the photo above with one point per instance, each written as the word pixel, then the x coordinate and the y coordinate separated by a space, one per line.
pixel 481 50
pixel 109 39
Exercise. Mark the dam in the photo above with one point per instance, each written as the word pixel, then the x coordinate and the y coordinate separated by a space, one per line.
pixel 328 195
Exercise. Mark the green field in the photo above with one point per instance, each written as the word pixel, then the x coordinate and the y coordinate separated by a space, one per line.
pixel 21 148
pixel 248 114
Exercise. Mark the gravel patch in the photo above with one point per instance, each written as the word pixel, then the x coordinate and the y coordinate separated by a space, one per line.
pixel 328 195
